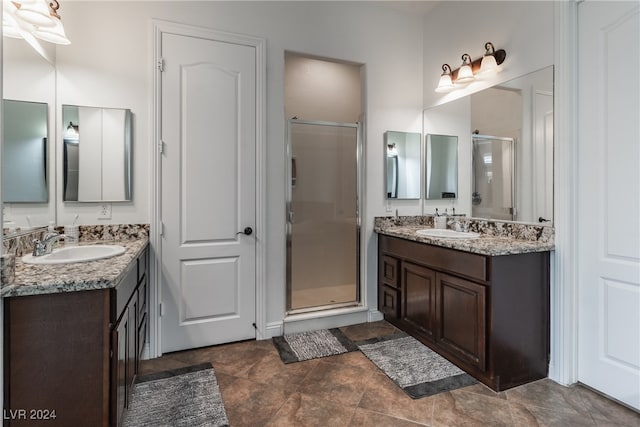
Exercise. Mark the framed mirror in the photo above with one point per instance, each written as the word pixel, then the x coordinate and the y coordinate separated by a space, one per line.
pixel 402 165
pixel 441 167
pixel 25 145
pixel 505 140
pixel 96 154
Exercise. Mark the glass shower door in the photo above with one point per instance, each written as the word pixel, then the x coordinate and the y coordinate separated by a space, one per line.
pixel 323 216
pixel 493 193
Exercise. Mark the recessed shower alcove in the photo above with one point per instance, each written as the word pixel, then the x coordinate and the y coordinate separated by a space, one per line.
pixel 323 107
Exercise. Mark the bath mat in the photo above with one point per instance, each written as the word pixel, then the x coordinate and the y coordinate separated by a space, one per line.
pixel 414 367
pixel 312 345
pixel 182 397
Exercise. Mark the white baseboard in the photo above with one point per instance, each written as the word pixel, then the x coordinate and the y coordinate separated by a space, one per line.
pixel 375 316
pixel 273 329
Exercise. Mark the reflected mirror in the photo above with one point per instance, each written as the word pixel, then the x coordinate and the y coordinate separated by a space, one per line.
pixel 96 154
pixel 441 167
pixel 505 138
pixel 24 159
pixel 402 165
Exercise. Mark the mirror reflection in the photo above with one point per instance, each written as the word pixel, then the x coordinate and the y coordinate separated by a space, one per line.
pixel 96 154
pixel 24 159
pixel 402 165
pixel 441 166
pixel 505 138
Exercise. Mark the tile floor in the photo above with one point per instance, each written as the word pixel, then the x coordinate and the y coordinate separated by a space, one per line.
pixel 348 390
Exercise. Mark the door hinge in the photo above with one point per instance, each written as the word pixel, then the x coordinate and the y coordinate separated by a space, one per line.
pixel 161 309
pixel 161 65
pixel 161 147
pixel 162 229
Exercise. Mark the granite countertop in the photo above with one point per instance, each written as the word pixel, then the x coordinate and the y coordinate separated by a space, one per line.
pixel 31 279
pixel 486 244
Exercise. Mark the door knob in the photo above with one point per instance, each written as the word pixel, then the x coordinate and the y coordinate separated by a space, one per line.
pixel 541 219
pixel 248 231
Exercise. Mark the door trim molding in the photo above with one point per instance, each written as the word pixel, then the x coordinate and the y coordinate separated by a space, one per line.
pixel 158 27
pixel 564 325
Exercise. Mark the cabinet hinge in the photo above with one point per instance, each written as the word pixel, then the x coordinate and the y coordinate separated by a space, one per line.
pixel 110 354
pixel 161 65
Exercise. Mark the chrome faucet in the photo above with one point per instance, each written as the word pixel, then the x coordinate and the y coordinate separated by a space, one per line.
pixel 44 246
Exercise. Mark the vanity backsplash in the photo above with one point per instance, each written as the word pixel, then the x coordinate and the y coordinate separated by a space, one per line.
pixel 531 232
pixel 23 244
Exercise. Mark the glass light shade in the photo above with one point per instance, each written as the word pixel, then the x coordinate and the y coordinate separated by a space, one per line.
pixel 465 74
pixel 52 35
pixel 445 84
pixel 488 64
pixel 35 12
pixel 10 27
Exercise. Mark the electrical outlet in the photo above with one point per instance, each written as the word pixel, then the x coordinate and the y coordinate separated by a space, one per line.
pixel 104 211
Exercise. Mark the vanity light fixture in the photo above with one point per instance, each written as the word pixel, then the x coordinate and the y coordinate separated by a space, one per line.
pixel 465 74
pixel 445 84
pixel 73 131
pixel 471 69
pixel 26 18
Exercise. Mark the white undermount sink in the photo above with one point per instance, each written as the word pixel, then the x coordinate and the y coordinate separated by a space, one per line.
pixel 447 234
pixel 71 254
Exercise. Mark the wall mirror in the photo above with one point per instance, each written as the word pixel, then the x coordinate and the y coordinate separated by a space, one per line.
pixel 28 85
pixel 402 165
pixel 505 138
pixel 96 154
pixel 24 159
pixel 441 167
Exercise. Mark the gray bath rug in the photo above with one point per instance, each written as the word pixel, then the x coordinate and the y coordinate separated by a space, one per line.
pixel 186 397
pixel 414 367
pixel 312 345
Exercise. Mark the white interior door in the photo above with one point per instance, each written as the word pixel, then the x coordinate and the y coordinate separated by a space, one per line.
pixel 609 199
pixel 208 127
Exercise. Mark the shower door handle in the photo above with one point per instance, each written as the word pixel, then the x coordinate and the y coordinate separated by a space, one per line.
pixel 248 231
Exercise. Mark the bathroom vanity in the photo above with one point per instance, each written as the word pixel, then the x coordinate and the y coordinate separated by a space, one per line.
pixel 483 304
pixel 74 336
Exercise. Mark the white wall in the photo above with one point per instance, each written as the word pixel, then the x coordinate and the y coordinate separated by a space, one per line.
pixel 109 64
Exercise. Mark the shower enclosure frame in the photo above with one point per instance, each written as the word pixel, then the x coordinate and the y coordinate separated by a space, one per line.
pixel 514 165
pixel 290 214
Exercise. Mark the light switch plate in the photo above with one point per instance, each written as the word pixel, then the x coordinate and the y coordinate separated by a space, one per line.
pixel 104 211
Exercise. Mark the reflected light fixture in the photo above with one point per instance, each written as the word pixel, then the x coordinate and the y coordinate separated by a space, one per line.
pixel 73 131
pixel 392 151
pixel 471 69
pixel 445 84
pixel 25 18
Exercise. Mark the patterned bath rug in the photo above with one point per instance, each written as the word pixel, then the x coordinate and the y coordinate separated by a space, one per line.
pixel 414 367
pixel 312 345
pixel 186 397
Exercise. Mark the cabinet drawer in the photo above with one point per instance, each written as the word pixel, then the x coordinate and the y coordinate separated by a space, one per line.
pixel 460 263
pixel 388 273
pixel 389 301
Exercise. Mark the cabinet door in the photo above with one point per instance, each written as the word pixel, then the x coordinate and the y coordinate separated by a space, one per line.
pixel 418 298
pixel 119 360
pixel 461 319
pixel 132 337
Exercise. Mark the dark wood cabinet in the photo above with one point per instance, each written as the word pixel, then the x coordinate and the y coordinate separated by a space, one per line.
pixel 487 314
pixel 418 298
pixel 74 354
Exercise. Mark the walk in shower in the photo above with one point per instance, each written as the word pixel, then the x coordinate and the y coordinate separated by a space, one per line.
pixel 493 186
pixel 323 221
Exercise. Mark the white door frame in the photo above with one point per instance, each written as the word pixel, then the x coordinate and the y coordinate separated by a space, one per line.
pixel 564 262
pixel 158 27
